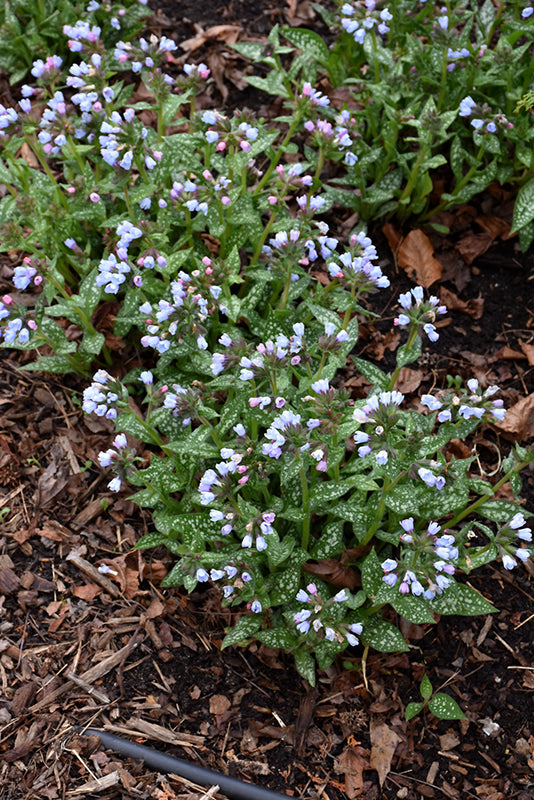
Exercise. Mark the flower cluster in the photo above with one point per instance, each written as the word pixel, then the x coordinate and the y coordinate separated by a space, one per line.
pixel 420 314
pixel 359 18
pixel 481 120
pixel 102 396
pixel 426 562
pixel 316 618
pixel 505 540
pixel 475 403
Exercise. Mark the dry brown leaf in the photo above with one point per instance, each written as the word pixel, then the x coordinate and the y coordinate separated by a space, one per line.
pixel 384 740
pixel 474 307
pixel 87 592
pixel 519 419
pixel 506 354
pixel 225 33
pixel 393 236
pixel 494 226
pixel 473 246
pixel 353 761
pixel 219 704
pixel 528 350
pixel 29 156
pixel 409 380
pixel 415 255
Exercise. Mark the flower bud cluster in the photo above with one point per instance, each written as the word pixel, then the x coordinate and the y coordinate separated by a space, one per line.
pixel 177 320
pixel 121 459
pixel 420 313
pixel 426 562
pixel 316 619
pixel 15 329
pixel 381 411
pixel 508 546
pixel 218 484
pixel 229 134
pixel 475 403
pixel 103 395
pixel 356 271
pixel 358 18
pixel 481 119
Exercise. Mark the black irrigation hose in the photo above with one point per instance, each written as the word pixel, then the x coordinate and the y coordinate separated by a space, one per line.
pixel 161 761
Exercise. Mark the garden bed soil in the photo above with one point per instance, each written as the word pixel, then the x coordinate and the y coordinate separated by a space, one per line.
pixel 120 653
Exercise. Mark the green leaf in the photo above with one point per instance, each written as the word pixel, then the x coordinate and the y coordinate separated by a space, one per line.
pixel 309 42
pixel 414 609
pixel 425 687
pixel 407 355
pixel 324 493
pixel 152 539
pixel 243 630
pixel 372 574
pixel 382 636
pixel 524 206
pixel 305 665
pixel 59 365
pixel 372 373
pixel 331 541
pixel 498 510
pixel 278 637
pixel 444 706
pixel 412 710
pixel 462 600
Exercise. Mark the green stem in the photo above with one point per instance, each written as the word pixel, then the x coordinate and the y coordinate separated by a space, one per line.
pixel 305 507
pixel 409 343
pixel 261 242
pixel 279 153
pixel 485 497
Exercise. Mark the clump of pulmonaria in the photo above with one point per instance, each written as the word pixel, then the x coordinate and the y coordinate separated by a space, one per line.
pixel 317 620
pixel 473 403
pixel 420 313
pixel 426 563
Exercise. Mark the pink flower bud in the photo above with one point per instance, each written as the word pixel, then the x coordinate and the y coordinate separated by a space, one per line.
pixel 271 200
pixel 97 106
pixel 71 189
pixel 94 197
pixel 221 146
pixel 7 300
pixel 32 325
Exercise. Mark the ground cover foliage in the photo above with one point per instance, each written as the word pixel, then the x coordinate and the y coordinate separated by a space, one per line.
pixel 248 276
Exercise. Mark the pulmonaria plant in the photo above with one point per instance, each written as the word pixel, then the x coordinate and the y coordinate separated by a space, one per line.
pixel 203 242
pixel 272 468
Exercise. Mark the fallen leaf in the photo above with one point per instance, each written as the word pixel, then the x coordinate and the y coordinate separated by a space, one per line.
pixel 506 354
pixel 494 226
pixel 519 419
pixel 415 255
pixel 528 350
pixel 353 761
pixel 384 740
pixel 87 592
pixel 226 33
pixel 409 380
pixel 219 704
pixel 473 246
pixel 474 307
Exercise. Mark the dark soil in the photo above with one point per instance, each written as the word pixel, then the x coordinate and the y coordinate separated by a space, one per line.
pixel 247 712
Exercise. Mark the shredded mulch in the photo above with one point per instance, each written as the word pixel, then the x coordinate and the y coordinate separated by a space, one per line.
pixel 116 652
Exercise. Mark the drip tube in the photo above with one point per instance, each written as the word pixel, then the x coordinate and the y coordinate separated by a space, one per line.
pixel 161 761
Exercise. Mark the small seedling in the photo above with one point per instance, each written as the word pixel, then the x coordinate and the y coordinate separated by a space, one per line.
pixel 443 706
